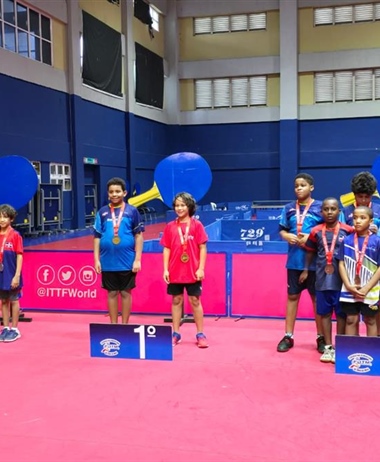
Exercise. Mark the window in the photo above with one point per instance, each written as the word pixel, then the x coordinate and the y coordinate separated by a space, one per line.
pixel 347 14
pixel 155 15
pixel 81 50
pixel 61 174
pixel 347 86
pixel 37 167
pixel 234 23
pixel 231 92
pixel 25 31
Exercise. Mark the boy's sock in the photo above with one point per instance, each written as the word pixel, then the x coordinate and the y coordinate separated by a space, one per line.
pixel 16 329
pixel 289 334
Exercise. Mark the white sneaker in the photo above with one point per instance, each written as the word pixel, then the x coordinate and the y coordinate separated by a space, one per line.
pixel 327 355
pixel 332 352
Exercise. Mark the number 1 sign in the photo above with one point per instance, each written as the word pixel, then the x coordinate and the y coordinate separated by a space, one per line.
pixel 131 341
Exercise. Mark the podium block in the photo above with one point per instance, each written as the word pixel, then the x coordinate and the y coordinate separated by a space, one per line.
pixel 357 355
pixel 131 341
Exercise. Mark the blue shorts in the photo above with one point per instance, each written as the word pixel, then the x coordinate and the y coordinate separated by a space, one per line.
pixel 295 288
pixel 328 302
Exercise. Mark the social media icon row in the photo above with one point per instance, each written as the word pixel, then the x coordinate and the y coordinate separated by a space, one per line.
pixel 66 275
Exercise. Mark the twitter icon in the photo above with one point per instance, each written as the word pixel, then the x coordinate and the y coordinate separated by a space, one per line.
pixel 66 275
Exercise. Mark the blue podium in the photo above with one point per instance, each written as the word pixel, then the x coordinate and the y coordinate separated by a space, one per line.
pixel 357 355
pixel 131 341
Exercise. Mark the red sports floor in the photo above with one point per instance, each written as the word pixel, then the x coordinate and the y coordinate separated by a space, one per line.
pixel 237 401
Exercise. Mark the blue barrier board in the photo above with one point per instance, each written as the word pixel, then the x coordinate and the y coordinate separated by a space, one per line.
pixel 250 231
pixel 357 355
pixel 131 341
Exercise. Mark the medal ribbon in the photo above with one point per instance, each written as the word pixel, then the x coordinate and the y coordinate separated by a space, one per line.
pixel 3 244
pixel 183 238
pixel 116 221
pixel 301 218
pixel 330 252
pixel 369 205
pixel 359 254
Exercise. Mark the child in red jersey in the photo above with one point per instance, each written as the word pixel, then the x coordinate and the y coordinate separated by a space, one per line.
pixel 11 251
pixel 184 241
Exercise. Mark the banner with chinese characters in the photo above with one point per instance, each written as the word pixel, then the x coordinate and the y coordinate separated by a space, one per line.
pixel 253 232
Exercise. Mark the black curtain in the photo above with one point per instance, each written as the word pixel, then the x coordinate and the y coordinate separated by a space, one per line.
pixel 149 77
pixel 142 12
pixel 101 56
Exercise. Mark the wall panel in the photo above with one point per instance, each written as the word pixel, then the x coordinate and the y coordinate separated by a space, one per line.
pixel 335 38
pixel 141 36
pixel 229 45
pixel 106 12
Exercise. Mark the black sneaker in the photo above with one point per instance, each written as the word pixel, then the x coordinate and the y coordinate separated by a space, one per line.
pixel 321 344
pixel 285 345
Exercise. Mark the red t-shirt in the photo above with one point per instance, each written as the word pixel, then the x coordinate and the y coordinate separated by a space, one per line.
pixel 11 248
pixel 180 272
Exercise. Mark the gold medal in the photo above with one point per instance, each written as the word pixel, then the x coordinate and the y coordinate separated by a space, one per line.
pixel 329 269
pixel 1 267
pixel 357 280
pixel 116 240
pixel 185 258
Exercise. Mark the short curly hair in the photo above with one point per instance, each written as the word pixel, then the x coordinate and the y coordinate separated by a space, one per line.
pixel 188 199
pixel 364 183
pixel 305 176
pixel 116 181
pixel 8 211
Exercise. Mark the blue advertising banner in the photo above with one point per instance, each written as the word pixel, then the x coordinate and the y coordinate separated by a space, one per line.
pixel 269 214
pixel 131 341
pixel 357 355
pixel 208 217
pixel 252 232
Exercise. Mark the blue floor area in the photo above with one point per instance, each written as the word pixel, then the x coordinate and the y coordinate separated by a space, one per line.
pixel 62 235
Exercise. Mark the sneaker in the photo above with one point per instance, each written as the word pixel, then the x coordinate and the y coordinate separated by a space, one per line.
pixel 286 344
pixel 321 344
pixel 327 355
pixel 333 355
pixel 12 335
pixel 176 338
pixel 4 334
pixel 201 341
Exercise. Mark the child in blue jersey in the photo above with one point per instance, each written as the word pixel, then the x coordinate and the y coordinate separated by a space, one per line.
pixel 364 186
pixel 297 219
pixel 359 262
pixel 325 240
pixel 11 255
pixel 118 244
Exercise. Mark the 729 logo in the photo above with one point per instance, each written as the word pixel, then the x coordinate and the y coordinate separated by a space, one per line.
pixel 251 234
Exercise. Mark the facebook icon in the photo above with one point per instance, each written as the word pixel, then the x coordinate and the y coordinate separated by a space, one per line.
pixel 45 274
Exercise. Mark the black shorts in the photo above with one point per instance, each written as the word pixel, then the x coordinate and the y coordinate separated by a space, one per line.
pixel 118 280
pixel 194 289
pixel 295 288
pixel 359 308
pixel 11 295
